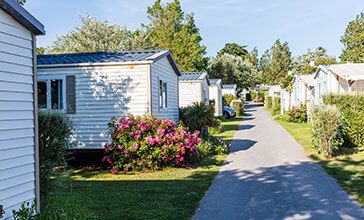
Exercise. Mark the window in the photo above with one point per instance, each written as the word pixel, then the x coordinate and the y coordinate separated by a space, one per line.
pixel 51 92
pixel 162 94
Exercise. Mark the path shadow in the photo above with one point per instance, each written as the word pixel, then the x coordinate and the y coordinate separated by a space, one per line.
pixel 300 190
pixel 245 127
pixel 241 145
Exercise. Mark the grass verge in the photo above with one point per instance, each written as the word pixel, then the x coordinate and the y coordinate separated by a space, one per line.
pixel 172 193
pixel 347 168
pixel 230 127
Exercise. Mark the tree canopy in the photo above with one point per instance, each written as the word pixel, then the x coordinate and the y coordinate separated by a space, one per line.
pixel 353 41
pixel 234 49
pixel 275 64
pixel 301 64
pixel 234 70
pixel 95 35
pixel 21 2
pixel 170 28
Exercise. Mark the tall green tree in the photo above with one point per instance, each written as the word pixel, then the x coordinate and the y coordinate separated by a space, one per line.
pixel 353 41
pixel 234 70
pixel 252 57
pixel 22 2
pixel 170 28
pixel 95 35
pixel 275 64
pixel 302 63
pixel 234 49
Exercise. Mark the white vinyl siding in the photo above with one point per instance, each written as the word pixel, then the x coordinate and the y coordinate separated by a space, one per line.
pixel 162 70
pixel 189 92
pixel 17 170
pixel 216 95
pixel 103 92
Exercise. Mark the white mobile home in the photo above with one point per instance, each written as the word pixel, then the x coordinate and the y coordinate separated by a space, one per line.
pixel 193 87
pixel 229 89
pixel 94 87
pixel 274 90
pixel 338 78
pixel 19 164
pixel 215 94
pixel 303 89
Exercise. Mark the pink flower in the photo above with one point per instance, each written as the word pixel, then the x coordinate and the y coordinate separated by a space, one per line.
pixel 181 159
pixel 126 150
pixel 157 139
pixel 135 146
pixel 131 134
pixel 120 147
pixel 113 170
pixel 126 170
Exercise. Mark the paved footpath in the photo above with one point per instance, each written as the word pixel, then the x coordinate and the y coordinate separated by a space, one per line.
pixel 267 175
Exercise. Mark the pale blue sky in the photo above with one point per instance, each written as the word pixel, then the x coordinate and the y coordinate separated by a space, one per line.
pixel 303 23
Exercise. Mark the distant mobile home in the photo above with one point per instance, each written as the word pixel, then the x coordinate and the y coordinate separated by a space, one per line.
pixel 303 89
pixel 94 87
pixel 19 163
pixel 229 89
pixel 193 87
pixel 338 78
pixel 215 94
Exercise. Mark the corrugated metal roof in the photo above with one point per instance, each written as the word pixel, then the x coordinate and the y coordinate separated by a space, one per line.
pixel 229 86
pixel 215 82
pixel 192 76
pixel 100 57
pixel 71 59
pixel 349 71
pixel 22 16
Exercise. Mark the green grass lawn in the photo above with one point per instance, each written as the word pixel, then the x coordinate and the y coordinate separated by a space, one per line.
pixel 230 126
pixel 172 193
pixel 347 168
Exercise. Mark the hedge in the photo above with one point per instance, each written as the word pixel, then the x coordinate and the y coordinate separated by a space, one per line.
pixel 269 102
pixel 276 108
pixel 248 96
pixel 351 107
pixel 238 106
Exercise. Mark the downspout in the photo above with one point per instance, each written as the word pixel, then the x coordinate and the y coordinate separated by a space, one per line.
pixel 36 129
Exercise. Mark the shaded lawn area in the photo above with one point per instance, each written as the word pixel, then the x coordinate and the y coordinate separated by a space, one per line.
pixel 347 168
pixel 172 193
pixel 230 127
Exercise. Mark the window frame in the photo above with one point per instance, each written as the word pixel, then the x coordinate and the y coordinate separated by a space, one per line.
pixel 163 95
pixel 48 80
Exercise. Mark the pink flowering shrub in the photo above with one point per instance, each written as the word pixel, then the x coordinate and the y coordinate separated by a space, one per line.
pixel 149 143
pixel 258 99
pixel 297 115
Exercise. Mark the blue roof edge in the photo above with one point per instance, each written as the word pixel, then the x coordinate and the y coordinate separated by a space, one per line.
pixel 21 15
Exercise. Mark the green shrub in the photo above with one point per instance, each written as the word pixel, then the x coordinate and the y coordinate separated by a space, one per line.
pixel 351 107
pixel 296 115
pixel 261 94
pixel 248 96
pixel 55 129
pixel 149 143
pixel 238 106
pixel 218 129
pixel 229 98
pixel 197 116
pixel 276 107
pixel 254 95
pixel 269 102
pixel 211 145
pixel 327 129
